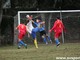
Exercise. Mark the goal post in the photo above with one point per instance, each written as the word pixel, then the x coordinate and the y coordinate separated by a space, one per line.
pixel 58 13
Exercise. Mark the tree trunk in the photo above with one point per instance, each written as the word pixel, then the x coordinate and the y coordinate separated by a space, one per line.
pixel 1 12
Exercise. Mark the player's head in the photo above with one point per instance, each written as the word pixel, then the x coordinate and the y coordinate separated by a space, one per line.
pixel 37 20
pixel 23 22
pixel 58 18
pixel 29 17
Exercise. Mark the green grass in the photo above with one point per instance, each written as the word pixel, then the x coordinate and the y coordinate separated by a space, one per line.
pixel 44 52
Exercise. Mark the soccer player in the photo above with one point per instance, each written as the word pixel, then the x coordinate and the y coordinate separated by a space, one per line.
pixel 42 31
pixel 58 27
pixel 31 30
pixel 22 31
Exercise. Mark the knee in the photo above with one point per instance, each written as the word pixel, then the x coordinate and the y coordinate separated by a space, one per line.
pixel 43 36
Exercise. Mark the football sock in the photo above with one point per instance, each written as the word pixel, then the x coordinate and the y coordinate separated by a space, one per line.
pixel 35 42
pixel 21 42
pixel 57 41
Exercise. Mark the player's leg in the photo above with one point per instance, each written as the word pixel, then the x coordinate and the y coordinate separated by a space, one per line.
pixel 34 37
pixel 43 36
pixel 19 39
pixel 35 42
pixel 48 37
pixel 20 42
pixel 59 34
pixel 44 39
pixel 56 39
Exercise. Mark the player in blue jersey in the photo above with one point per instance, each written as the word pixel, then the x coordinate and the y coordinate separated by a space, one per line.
pixel 42 31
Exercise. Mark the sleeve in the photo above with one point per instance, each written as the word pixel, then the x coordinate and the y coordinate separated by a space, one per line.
pixel 27 29
pixel 36 24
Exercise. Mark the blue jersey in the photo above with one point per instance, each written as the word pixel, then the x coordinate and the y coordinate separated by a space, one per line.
pixel 41 27
pixel 36 24
pixel 38 28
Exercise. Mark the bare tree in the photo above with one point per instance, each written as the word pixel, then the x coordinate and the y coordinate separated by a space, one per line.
pixel 0 14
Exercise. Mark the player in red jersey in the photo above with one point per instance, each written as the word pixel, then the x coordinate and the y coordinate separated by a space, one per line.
pixel 58 27
pixel 22 31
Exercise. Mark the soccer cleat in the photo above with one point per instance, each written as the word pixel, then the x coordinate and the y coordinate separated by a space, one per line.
pixel 18 47
pixel 46 43
pixel 26 46
pixel 58 44
pixel 37 47
pixel 51 41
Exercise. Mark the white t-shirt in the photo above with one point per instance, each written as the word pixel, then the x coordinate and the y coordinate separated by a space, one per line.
pixel 29 27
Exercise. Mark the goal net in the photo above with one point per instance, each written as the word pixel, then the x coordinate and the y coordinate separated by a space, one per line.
pixel 70 18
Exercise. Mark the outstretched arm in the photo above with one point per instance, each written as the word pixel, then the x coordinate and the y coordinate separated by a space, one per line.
pixel 28 35
pixel 53 27
pixel 35 23
pixel 17 27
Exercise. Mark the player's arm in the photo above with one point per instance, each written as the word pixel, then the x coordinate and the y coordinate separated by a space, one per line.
pixel 51 29
pixel 43 22
pixel 28 35
pixel 17 27
pixel 27 28
pixel 54 26
pixel 27 31
pixel 34 23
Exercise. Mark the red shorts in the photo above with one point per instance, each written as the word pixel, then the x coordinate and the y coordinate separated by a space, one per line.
pixel 57 35
pixel 21 35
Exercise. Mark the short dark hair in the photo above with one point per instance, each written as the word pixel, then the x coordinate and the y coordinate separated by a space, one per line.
pixel 26 22
pixel 58 17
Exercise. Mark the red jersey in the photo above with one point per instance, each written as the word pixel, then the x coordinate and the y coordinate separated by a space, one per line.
pixel 21 28
pixel 58 26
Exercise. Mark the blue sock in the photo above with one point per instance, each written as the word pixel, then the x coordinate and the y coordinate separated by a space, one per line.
pixel 44 40
pixel 57 41
pixel 21 42
pixel 49 38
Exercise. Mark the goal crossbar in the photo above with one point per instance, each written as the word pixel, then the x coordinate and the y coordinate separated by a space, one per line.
pixel 49 11
pixel 57 11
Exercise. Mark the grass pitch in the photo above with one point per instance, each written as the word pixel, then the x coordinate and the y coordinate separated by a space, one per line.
pixel 44 52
